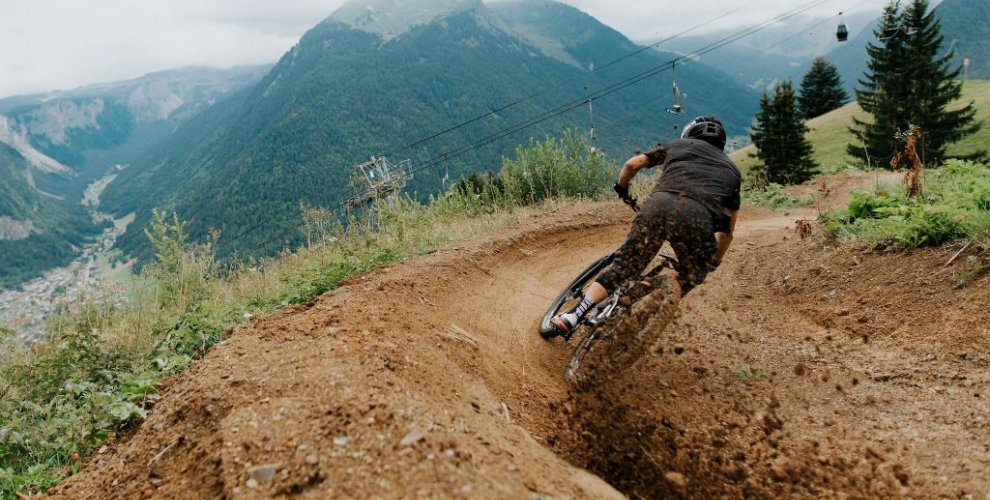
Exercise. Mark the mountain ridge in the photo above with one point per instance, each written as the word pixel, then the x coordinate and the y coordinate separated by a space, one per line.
pixel 344 94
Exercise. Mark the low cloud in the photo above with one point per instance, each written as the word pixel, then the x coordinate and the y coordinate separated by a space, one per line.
pixel 62 44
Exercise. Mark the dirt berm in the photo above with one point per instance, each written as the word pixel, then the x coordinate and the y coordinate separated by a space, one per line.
pixel 796 371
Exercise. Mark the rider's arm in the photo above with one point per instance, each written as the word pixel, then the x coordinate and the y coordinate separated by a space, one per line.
pixel 725 239
pixel 631 167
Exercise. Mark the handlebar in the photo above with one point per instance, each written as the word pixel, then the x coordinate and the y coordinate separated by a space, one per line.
pixel 632 203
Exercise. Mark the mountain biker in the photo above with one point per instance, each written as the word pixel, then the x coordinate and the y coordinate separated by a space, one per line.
pixel 693 206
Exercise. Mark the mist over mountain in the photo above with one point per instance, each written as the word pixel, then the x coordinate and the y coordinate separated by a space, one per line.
pixel 367 81
pixel 785 52
pixel 779 52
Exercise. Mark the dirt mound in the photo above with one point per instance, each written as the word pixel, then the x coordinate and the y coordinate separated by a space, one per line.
pixel 795 370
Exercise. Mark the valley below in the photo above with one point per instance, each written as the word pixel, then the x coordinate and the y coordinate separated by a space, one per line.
pixel 92 277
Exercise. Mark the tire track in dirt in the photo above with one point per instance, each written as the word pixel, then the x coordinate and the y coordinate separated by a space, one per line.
pixel 428 379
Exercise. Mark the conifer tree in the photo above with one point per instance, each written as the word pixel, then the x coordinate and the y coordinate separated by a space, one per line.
pixel 821 90
pixel 910 81
pixel 779 136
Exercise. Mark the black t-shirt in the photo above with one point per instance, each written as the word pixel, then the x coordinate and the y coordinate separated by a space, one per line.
pixel 700 171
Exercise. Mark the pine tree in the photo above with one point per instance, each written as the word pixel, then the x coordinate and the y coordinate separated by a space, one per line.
pixel 779 136
pixel 909 81
pixel 936 85
pixel 821 90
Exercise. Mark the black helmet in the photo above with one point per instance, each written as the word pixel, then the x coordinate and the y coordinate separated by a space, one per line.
pixel 706 128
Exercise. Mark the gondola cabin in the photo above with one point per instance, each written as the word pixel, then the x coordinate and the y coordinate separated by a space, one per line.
pixel 841 32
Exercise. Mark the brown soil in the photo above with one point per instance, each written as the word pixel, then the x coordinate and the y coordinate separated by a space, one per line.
pixel 796 370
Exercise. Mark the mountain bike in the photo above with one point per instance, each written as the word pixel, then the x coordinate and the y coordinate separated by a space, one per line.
pixel 628 322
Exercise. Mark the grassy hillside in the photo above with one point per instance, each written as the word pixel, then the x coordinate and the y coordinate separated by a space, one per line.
pixel 830 134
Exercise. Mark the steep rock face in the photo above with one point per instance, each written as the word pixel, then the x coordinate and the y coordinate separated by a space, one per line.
pixel 14 230
pixel 345 93
pixel 18 140
pixel 79 134
pixel 37 231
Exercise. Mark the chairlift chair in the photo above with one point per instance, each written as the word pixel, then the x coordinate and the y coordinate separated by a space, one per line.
pixel 675 108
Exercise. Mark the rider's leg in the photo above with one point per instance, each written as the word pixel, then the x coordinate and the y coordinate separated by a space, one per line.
pixel 643 242
pixel 692 236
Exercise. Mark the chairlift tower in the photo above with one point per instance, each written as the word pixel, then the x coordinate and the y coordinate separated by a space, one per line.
pixel 378 180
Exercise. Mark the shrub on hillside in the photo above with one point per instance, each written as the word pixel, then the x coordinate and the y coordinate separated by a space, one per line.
pixel 553 168
pixel 955 205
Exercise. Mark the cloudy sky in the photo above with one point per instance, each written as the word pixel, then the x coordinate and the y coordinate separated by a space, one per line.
pixel 61 44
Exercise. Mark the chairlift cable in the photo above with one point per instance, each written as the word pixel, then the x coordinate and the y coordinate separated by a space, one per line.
pixel 617 86
pixel 421 166
pixel 677 35
pixel 537 94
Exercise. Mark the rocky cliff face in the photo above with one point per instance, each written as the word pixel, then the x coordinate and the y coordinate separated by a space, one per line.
pixel 65 131
pixel 15 230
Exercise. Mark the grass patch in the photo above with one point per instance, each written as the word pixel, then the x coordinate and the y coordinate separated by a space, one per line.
pixel 954 205
pixel 100 368
pixel 775 197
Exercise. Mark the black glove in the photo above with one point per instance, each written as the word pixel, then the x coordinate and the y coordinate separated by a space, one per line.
pixel 623 192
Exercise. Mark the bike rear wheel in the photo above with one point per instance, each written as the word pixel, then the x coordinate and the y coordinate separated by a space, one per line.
pixel 639 329
pixel 632 333
pixel 572 294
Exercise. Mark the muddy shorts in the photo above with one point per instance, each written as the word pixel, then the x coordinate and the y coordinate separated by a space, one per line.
pixel 684 222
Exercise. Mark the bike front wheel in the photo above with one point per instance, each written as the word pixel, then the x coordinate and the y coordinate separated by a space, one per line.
pixel 573 293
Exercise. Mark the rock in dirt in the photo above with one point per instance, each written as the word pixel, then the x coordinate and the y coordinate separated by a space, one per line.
pixel 676 479
pixel 262 472
pixel 414 436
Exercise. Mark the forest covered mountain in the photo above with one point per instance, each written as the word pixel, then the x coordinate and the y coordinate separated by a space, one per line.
pixel 54 145
pixel 363 83
pixel 966 25
pixel 778 52
pixel 37 230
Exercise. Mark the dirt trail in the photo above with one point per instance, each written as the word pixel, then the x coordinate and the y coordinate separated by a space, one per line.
pixel 795 370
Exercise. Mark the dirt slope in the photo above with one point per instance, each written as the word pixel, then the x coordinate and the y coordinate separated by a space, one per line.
pixel 796 370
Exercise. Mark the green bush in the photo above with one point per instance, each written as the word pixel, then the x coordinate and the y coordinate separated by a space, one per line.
pixel 65 398
pixel 955 205
pixel 556 168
